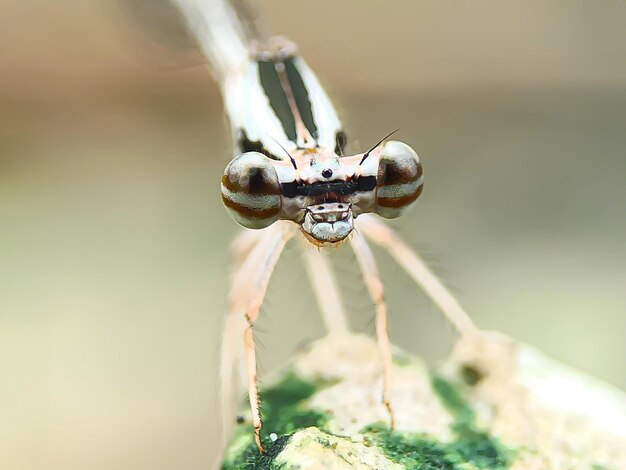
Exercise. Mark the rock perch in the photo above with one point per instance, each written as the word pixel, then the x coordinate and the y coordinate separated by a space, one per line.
pixel 494 404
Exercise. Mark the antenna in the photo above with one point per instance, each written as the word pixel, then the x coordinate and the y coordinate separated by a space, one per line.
pixel 293 161
pixel 367 154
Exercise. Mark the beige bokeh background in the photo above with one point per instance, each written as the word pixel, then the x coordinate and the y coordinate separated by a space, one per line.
pixel 114 244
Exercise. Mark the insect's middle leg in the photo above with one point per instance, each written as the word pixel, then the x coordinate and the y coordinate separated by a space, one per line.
pixel 381 234
pixel 325 288
pixel 374 285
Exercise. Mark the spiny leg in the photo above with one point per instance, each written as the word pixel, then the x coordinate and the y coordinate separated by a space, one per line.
pixel 254 276
pixel 232 368
pixel 374 229
pixel 325 288
pixel 492 354
pixel 371 277
pixel 233 372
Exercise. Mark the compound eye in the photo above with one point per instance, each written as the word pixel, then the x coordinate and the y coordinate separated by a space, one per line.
pixel 251 190
pixel 400 179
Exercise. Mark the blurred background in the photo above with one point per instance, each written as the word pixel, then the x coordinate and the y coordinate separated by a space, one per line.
pixel 114 242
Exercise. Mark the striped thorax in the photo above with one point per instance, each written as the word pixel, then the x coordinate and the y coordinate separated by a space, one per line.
pixel 291 163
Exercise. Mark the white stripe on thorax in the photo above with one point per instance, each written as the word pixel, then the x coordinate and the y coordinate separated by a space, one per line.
pixel 324 113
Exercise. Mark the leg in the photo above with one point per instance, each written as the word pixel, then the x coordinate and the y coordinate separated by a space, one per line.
pixel 366 261
pixel 232 365
pixel 325 287
pixel 374 229
pixel 243 244
pixel 249 288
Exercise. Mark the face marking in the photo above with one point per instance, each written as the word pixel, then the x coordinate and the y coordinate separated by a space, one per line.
pixel 343 188
pixel 309 188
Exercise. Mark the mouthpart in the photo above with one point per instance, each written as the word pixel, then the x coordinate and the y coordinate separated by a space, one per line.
pixel 329 222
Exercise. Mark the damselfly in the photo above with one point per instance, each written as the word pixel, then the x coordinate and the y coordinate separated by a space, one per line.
pixel 290 176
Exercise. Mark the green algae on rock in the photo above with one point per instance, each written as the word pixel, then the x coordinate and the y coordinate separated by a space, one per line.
pixel 283 414
pixel 326 413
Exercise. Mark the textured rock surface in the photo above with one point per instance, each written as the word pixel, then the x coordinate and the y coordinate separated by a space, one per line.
pixel 494 404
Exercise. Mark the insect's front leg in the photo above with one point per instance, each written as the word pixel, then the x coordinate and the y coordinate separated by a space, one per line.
pixel 374 285
pixel 232 363
pixel 249 288
pixel 242 245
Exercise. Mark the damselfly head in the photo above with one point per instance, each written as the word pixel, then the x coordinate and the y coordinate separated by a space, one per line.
pixel 320 191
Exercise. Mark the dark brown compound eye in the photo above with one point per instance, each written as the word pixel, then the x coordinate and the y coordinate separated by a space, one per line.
pixel 400 179
pixel 251 190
